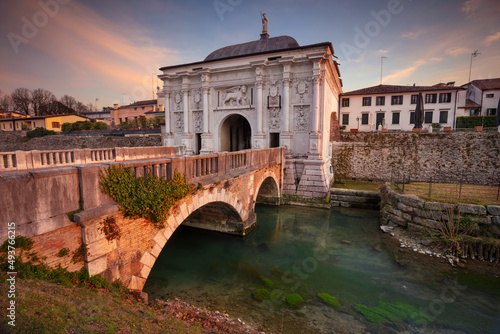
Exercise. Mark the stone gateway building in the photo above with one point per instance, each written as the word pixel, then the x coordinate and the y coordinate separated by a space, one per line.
pixel 267 93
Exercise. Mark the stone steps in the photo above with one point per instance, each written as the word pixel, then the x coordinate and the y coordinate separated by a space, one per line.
pixel 361 199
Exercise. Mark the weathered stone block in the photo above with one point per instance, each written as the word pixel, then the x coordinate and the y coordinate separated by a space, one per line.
pixel 415 227
pixel 481 220
pixel 147 259
pixel 493 210
pixel 472 209
pixel 160 239
pixel 99 247
pixel 495 219
pixel 97 265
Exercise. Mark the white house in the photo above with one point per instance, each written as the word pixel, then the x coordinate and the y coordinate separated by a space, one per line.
pixel 479 98
pixel 393 107
pixel 266 93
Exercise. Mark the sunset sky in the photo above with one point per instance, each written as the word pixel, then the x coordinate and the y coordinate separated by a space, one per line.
pixel 112 50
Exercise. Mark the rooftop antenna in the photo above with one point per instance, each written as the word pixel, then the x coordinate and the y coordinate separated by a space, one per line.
pixel 381 66
pixel 472 55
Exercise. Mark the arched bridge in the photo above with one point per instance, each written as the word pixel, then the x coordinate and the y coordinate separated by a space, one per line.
pixel 232 183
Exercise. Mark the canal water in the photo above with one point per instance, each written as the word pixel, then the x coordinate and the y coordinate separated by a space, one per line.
pixel 308 251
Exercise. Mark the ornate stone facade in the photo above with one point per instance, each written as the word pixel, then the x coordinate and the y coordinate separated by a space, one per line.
pixel 257 95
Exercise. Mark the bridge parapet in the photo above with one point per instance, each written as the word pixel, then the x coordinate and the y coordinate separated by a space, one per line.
pixel 28 160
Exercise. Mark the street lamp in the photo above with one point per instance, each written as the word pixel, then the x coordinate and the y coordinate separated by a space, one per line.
pixel 357 119
pixel 96 103
pixel 472 55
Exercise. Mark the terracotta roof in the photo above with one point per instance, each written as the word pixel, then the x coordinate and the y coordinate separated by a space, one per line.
pixel 488 83
pixel 388 89
pixel 471 104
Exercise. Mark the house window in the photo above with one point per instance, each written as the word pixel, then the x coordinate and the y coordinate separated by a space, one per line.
pixel 430 98
pixel 55 125
pixel 444 97
pixel 380 100
pixel 414 99
pixel 475 112
pixel 395 118
pixel 397 99
pixel 428 117
pixel 367 101
pixel 345 119
pixel 489 96
pixel 443 116
pixel 121 121
pixel 491 112
pixel 364 119
pixel 412 117
pixel 345 102
pixel 135 108
pixel 142 108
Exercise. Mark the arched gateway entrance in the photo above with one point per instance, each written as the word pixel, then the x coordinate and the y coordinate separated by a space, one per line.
pixel 235 134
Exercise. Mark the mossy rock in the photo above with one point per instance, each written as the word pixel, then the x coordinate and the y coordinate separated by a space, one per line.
pixel 330 300
pixel 268 283
pixel 294 300
pixel 261 294
pixel 390 313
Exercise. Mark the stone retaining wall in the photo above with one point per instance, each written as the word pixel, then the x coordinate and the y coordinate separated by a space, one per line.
pixel 348 198
pixel 414 214
pixel 372 155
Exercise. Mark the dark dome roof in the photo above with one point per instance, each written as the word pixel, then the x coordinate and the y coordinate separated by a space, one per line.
pixel 264 44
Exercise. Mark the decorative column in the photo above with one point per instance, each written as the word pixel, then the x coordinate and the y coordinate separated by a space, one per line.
pixel 187 136
pixel 259 85
pixel 206 137
pixel 260 135
pixel 315 135
pixel 168 136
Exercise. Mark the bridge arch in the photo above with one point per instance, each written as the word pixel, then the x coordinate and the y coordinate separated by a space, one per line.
pixel 267 189
pixel 208 199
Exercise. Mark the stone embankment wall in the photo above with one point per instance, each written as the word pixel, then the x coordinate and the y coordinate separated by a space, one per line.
pixel 348 198
pixel 372 155
pixel 10 142
pixel 414 214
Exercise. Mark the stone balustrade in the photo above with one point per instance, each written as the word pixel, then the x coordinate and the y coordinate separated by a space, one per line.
pixel 28 160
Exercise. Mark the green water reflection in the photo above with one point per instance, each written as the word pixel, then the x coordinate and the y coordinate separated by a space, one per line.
pixel 310 251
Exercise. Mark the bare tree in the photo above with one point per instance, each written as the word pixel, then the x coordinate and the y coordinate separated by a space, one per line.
pixel 68 101
pixel 40 98
pixel 5 102
pixel 21 100
pixel 81 108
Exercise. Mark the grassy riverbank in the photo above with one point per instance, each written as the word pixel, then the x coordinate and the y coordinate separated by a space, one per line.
pixel 74 303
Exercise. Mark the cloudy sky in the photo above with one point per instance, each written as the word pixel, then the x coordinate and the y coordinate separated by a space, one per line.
pixel 111 50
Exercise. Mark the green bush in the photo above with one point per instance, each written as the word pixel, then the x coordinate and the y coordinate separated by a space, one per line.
pixel 268 283
pixel 330 300
pixel 144 197
pixel 469 122
pixel 78 126
pixel 39 132
pixel 294 300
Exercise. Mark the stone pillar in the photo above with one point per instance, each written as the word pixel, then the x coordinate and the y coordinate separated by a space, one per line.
pixel 286 134
pixel 315 135
pixel 259 108
pixel 206 137
pixel 185 93
pixel 187 136
pixel 168 136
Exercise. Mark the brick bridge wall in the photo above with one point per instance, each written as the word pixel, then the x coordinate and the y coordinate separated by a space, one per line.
pixel 48 196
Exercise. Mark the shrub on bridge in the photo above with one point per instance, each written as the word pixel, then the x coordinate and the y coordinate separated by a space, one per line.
pixel 144 197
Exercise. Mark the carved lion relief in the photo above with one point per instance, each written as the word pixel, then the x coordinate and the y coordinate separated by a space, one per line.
pixel 235 96
pixel 274 119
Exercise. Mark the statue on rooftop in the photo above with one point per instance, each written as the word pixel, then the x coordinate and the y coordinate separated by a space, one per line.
pixel 264 24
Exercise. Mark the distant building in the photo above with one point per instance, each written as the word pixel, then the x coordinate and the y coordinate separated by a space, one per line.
pixel 30 123
pixel 266 93
pixel 393 107
pixel 135 110
pixel 10 114
pixel 479 98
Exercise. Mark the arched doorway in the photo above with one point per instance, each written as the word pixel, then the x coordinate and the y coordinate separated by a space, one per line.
pixel 235 134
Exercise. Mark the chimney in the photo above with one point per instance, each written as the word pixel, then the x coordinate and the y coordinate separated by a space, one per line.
pixel 115 106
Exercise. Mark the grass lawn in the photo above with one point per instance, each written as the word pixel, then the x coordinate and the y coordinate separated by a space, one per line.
pixel 453 193
pixel 357 185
